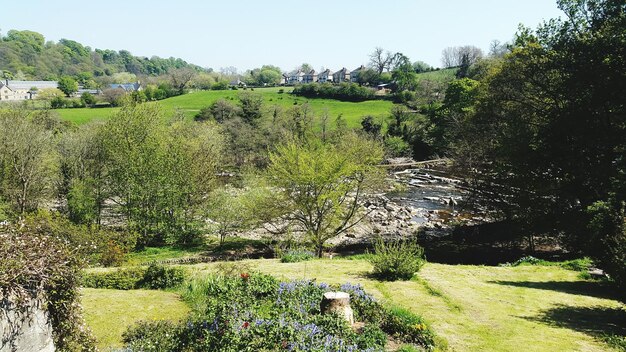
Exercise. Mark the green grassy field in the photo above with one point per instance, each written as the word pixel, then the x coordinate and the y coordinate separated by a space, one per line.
pixel 473 308
pixel 190 104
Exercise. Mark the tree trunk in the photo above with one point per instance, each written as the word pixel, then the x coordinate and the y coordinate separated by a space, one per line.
pixel 337 303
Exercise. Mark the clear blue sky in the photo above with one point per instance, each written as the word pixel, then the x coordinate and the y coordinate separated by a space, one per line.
pixel 286 33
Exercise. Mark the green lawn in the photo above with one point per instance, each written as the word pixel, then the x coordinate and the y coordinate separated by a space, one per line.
pixel 190 104
pixel 479 308
pixel 109 312
pixel 473 308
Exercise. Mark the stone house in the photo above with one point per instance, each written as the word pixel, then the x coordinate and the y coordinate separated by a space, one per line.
pixel 23 90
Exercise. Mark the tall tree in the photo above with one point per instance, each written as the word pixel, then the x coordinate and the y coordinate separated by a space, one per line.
pixel 28 160
pixel 381 60
pixel 551 127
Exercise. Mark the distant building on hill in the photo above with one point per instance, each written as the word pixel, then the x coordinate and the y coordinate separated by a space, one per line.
pixel 310 77
pixel 325 76
pixel 342 75
pixel 23 90
pixel 354 75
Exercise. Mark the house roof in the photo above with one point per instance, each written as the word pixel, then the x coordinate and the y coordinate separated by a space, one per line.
pixel 359 68
pixel 26 85
pixel 343 70
pixel 326 71
pixel 126 86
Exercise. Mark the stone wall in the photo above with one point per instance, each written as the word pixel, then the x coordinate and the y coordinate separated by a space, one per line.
pixel 25 332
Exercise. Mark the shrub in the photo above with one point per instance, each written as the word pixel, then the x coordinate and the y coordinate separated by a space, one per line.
pixel 154 277
pixel 152 337
pixel 159 276
pixel 397 260
pixel 296 255
pixel 408 327
pixel 123 279
pixel 34 264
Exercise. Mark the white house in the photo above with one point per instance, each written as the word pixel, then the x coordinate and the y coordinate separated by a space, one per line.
pixel 325 76
pixel 310 77
pixel 23 90
pixel 296 77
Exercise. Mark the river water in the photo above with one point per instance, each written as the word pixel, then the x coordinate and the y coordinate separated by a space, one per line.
pixel 435 196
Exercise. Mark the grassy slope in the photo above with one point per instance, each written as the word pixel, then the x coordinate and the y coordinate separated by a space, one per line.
pixel 110 312
pixel 190 104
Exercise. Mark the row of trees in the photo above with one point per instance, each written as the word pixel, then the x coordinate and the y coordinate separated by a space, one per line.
pixel 26 55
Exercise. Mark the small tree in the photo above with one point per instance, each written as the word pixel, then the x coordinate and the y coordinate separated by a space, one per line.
pixel 231 210
pixel 68 85
pixel 322 185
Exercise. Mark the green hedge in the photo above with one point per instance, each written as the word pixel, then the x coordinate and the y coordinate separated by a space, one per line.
pixel 153 277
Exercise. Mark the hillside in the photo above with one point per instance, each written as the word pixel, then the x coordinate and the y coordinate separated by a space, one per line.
pixel 190 104
pixel 25 55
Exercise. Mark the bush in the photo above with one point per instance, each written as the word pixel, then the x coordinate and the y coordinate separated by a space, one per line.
pixel 123 279
pixel 297 255
pixel 159 276
pixel 408 327
pixel 397 147
pixel 154 277
pixel 344 91
pixel 397 260
pixel 36 265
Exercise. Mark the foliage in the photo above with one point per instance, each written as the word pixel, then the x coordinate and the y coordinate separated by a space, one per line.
pixel 582 264
pixel 94 245
pixel 296 255
pixel 321 185
pixel 68 85
pixel 120 279
pixel 37 265
pixel 28 160
pixel 256 312
pixel 153 277
pixel 546 140
pixel 27 52
pixel 160 174
pixel 397 147
pixel 408 326
pixel 344 91
pixel 397 260
pixel 159 276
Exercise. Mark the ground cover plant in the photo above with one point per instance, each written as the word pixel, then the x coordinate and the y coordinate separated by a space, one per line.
pixel 258 312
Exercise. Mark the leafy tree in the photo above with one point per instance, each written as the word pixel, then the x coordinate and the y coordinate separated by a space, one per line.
pixel 421 66
pixel 221 110
pixel 251 106
pixel 68 85
pixel 548 133
pixel 88 99
pixel 28 161
pixel 322 186
pixel 371 126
